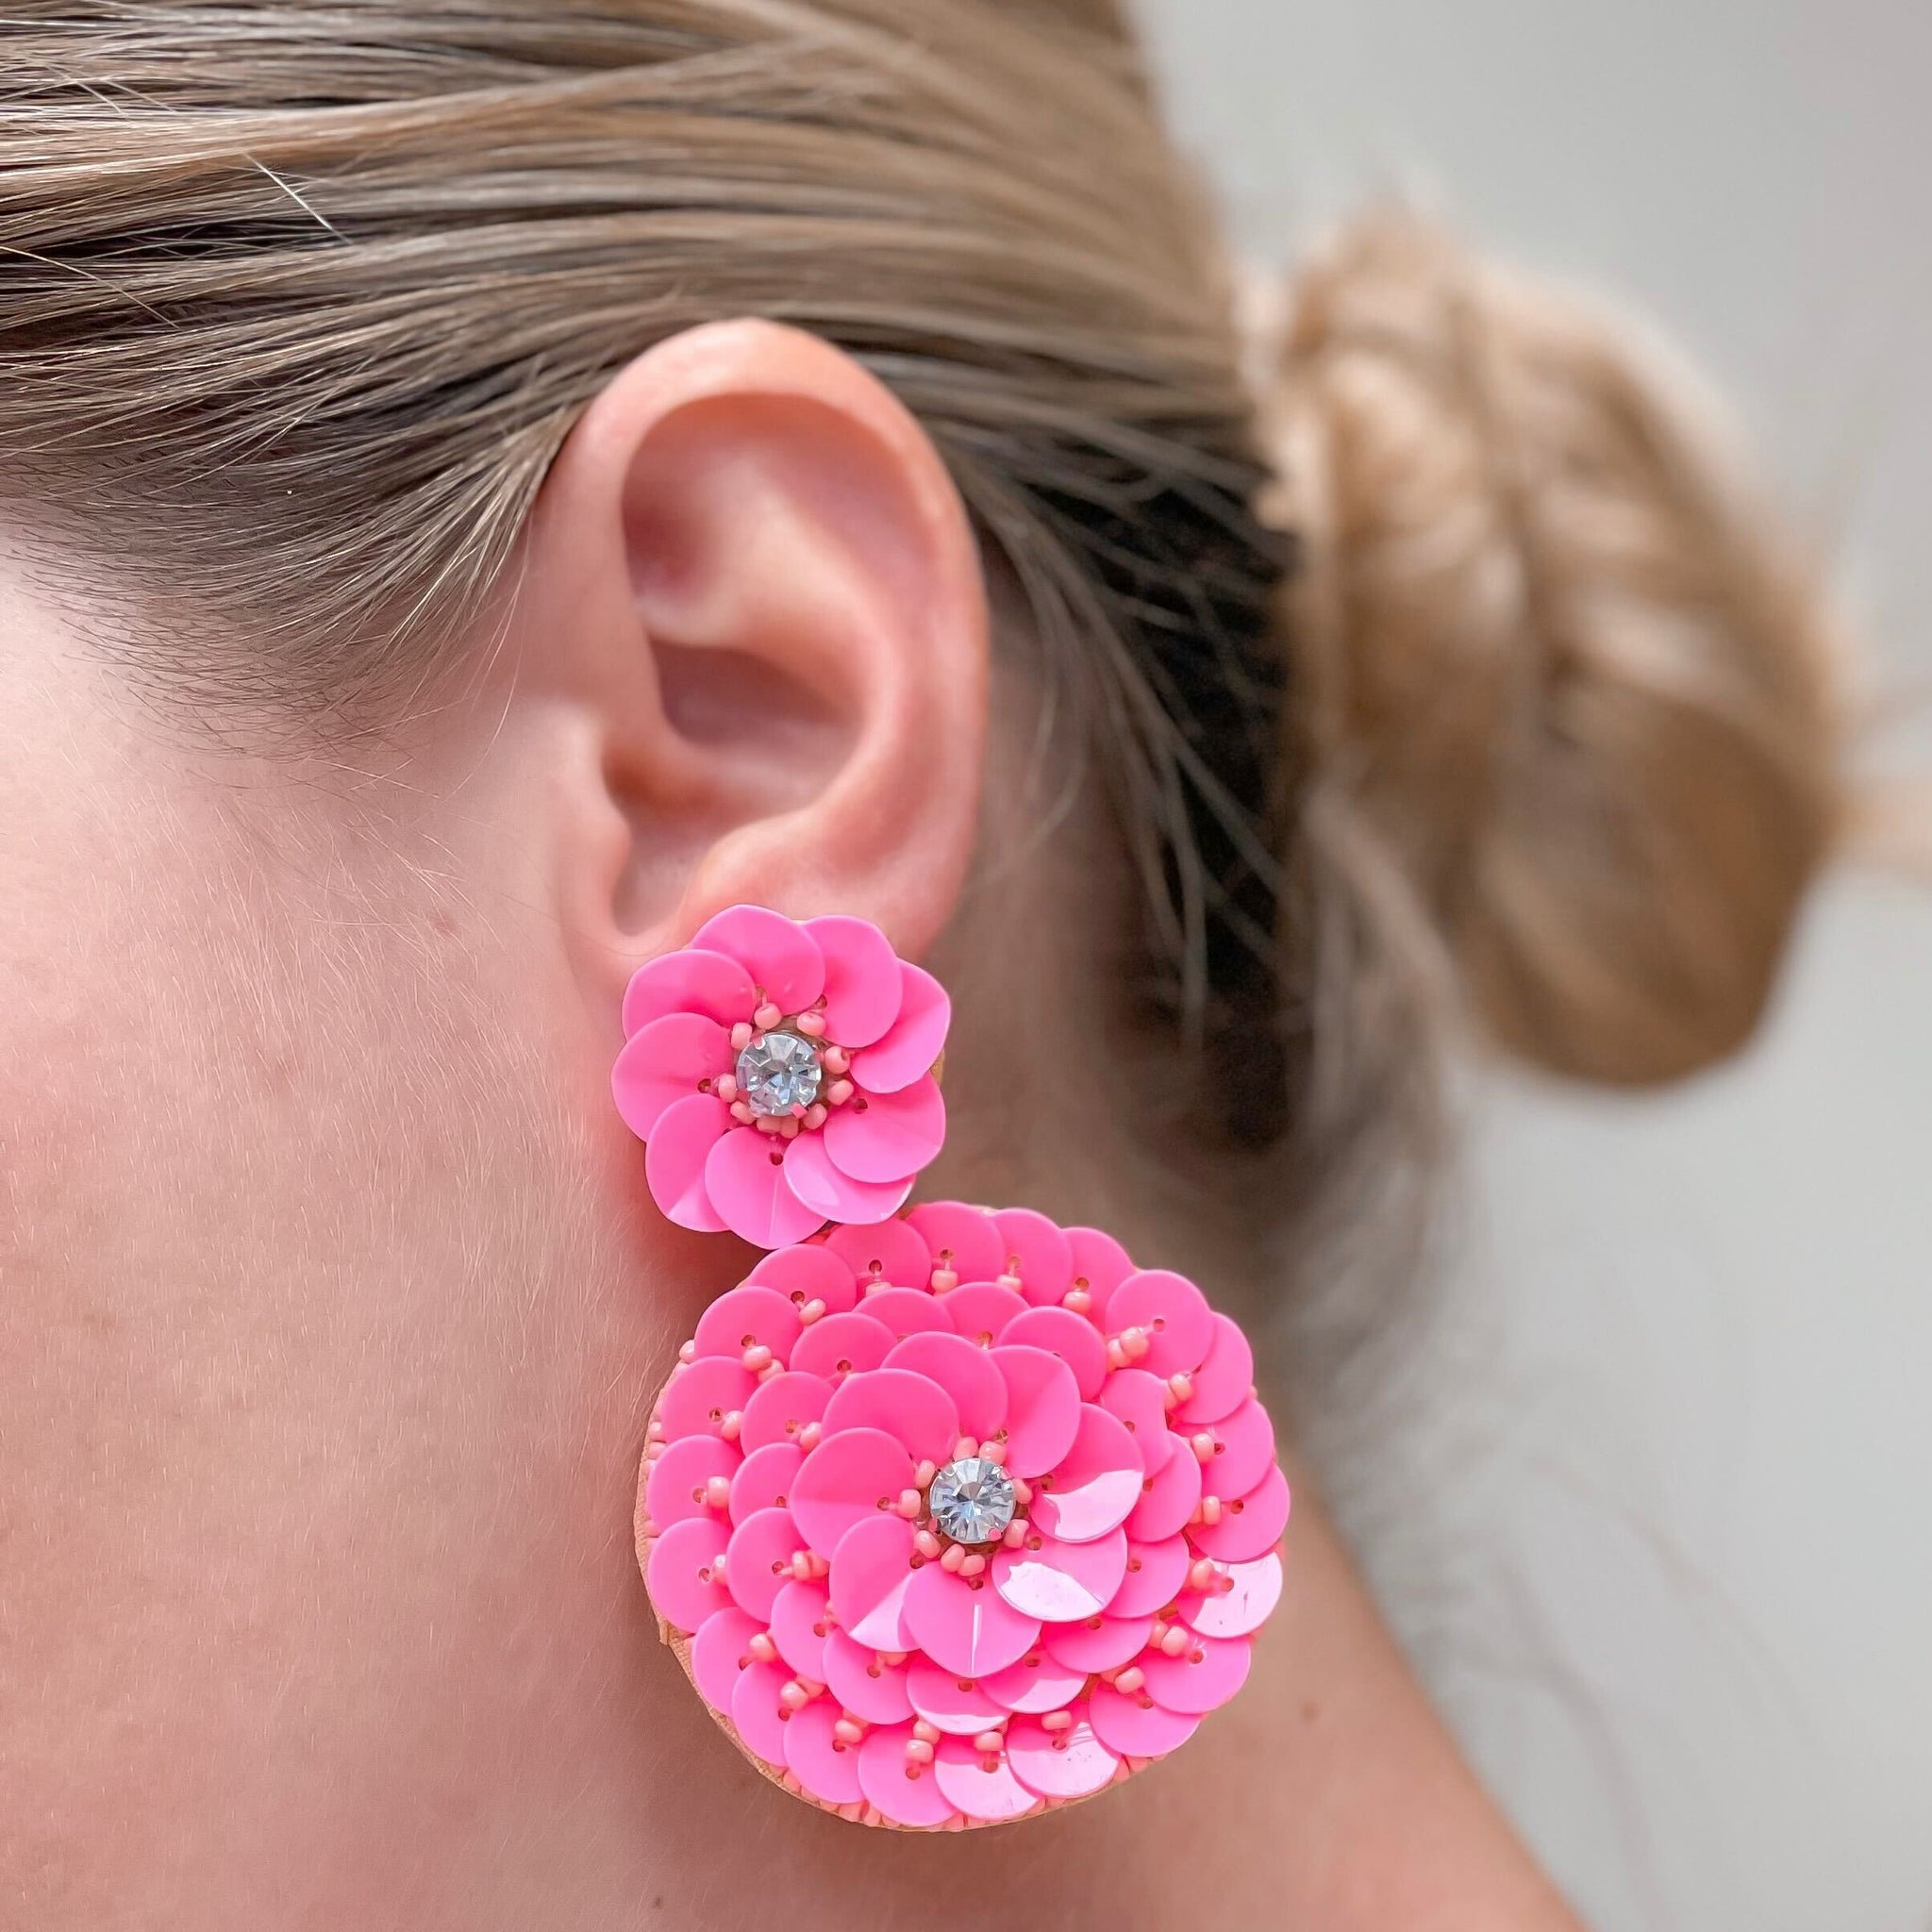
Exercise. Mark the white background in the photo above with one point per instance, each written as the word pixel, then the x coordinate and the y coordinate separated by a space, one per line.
pixel 1657 1518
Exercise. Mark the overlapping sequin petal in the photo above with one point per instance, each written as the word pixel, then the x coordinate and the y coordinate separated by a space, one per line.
pixel 960 1516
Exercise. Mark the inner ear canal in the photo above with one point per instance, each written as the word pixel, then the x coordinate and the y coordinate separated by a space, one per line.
pixel 772 742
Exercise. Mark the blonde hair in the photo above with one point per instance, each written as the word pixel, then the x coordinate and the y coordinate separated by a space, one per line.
pixel 1499 684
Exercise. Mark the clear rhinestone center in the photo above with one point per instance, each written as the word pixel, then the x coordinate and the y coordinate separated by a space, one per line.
pixel 780 1073
pixel 973 1501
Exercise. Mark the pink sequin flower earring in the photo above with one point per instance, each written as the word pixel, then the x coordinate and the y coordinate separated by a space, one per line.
pixel 781 1076
pixel 951 1517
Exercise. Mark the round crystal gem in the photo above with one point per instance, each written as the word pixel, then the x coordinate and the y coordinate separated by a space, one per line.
pixel 973 1501
pixel 779 1073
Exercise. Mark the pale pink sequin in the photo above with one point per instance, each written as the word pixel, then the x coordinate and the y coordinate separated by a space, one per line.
pixel 770 1509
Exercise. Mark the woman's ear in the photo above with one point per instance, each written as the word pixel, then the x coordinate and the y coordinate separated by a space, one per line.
pixel 750 611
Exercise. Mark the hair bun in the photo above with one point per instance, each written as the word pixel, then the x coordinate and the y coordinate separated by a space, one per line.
pixel 1555 661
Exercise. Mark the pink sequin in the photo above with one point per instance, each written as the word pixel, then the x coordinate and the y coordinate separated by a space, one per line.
pixel 675 1486
pixel 908 1794
pixel 1062 1583
pixel 778 1410
pixel 824 1766
pixel 958 1704
pixel 913 1409
pixel 1072 1764
pixel 763 1480
pixel 843 1481
pixel 719 1651
pixel 888 1252
pixel 758 1560
pixel 1140 1400
pixel 841 1346
pixel 965 1373
pixel 800 1627
pixel 982 1788
pixel 872 1571
pixel 1245 1600
pixel 969 1630
pixel 872 1691
pixel 964 1239
pixel 748 1317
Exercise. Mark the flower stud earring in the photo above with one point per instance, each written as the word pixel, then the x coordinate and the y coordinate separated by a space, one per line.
pixel 951 1517
pixel 781 1076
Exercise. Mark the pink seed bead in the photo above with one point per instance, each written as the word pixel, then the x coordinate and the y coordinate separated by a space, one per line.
pixel 839 1093
pixel 768 1123
pixel 1130 1680
pixel 989 1743
pixel 765 1017
pixel 812 1026
pixel 992 1452
pixel 1174 1639
pixel 837 1060
pixel 1180 1388
pixel 814 1310
pixel 910 1505
pixel 788 1129
pixel 929 1545
pixel 1201 1573
pixel 1203 1445
pixel 687 1350
pixel 953 1557
pixel 733 1421
pixel 1016 1532
pixel 1210 1510
pixel 849 1730
pixel 725 1088
pixel 815 1116
pixel 655 1431
pixel 741 1113
pixel 761 1647
pixel 973 1564
pixel 757 1357
pixel 1058 1720
pixel 891 1659
pixel 1078 1300
pixel 794 1696
pixel 740 1036
pixel 808 1435
pixel 925 1732
pixel 923 1475
pixel 917 1751
pixel 717 1492
pixel 965 1448
pixel 943 1281
pixel 1116 1355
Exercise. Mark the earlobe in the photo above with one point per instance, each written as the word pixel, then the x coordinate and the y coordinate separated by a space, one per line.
pixel 766 604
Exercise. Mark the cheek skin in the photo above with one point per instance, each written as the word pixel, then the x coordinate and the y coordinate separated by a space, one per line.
pixel 322 1348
